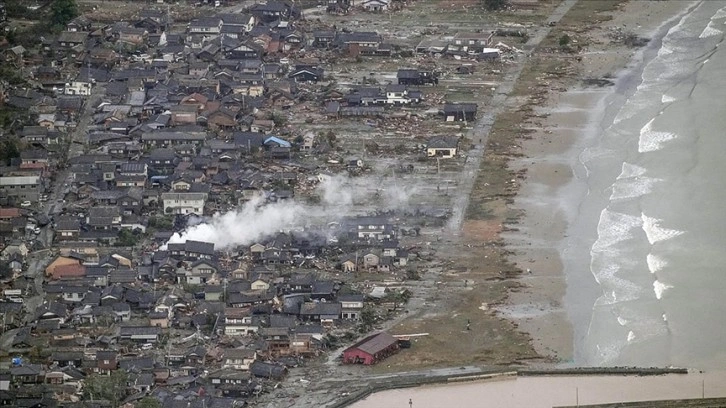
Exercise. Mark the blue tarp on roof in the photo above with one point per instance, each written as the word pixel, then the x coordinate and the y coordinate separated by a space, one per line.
pixel 275 139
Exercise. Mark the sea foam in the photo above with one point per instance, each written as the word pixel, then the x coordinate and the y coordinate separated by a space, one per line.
pixel 710 31
pixel 652 140
pixel 629 170
pixel 614 227
pixel 667 99
pixel 655 263
pixel 659 288
pixel 632 183
pixel 633 188
pixel 655 232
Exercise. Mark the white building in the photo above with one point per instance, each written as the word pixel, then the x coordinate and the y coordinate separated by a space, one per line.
pixel 21 187
pixel 78 88
pixel 184 203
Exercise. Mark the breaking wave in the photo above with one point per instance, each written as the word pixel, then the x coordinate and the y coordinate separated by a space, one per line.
pixel 710 31
pixel 659 288
pixel 652 140
pixel 655 263
pixel 655 232
pixel 614 227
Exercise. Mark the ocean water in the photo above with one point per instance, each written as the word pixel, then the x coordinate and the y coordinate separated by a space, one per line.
pixel 652 226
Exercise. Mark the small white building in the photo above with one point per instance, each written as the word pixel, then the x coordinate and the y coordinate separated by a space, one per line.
pixel 442 146
pixel 375 5
pixel 78 88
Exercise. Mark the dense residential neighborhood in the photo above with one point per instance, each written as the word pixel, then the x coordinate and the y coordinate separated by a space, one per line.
pixel 136 131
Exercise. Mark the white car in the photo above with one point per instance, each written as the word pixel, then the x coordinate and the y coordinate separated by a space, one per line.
pixel 26 204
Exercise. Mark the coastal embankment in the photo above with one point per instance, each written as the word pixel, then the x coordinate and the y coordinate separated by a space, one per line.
pixel 553 390
pixel 475 374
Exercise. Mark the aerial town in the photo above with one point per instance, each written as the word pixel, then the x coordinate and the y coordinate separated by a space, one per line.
pixel 202 200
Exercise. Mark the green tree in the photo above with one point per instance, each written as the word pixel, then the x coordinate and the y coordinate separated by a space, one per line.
pixel 278 118
pixel 494 5
pixel 9 149
pixel 5 271
pixel 63 11
pixel 161 222
pixel 564 40
pixel 148 402
pixel 127 238
pixel 106 387
pixel 367 318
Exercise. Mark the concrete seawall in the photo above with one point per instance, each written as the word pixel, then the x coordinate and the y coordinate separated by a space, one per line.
pixel 410 381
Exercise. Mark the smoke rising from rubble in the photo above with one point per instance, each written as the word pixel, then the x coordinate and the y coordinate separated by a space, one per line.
pixel 257 220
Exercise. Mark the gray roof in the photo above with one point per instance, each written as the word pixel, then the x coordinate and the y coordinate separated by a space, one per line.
pixel 173 136
pixel 442 142
pixel 199 247
pixel 359 37
pixel 73 36
pixel 139 330
pixel 135 167
pixel 408 73
pixel 205 22
pixel 460 107
pixel 161 154
pixel 351 297
pixel 321 308
pixel 323 287
pixel 107 194
pixel 103 215
pixel 34 154
pixel 34 130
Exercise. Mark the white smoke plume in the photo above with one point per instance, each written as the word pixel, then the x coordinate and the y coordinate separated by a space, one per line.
pixel 244 225
pixel 256 220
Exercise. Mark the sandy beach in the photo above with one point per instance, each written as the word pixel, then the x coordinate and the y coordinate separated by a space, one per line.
pixel 549 197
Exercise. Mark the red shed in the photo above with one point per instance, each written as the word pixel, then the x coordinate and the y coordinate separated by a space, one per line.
pixel 371 350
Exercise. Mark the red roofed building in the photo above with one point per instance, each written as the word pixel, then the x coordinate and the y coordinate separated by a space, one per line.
pixel 69 271
pixel 9 213
pixel 371 350
pixel 63 267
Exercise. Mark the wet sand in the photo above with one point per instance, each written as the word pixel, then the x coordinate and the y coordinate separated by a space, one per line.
pixel 548 197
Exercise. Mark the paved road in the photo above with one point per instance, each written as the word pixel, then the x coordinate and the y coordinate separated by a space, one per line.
pixel 77 140
pixel 38 260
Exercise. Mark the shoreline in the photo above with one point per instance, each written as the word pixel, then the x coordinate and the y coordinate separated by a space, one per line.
pixel 555 187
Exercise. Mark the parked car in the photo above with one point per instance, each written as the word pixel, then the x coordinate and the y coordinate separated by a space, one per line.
pixel 26 204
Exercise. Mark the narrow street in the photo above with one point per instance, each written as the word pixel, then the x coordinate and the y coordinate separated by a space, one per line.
pixel 77 141
pixel 38 260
